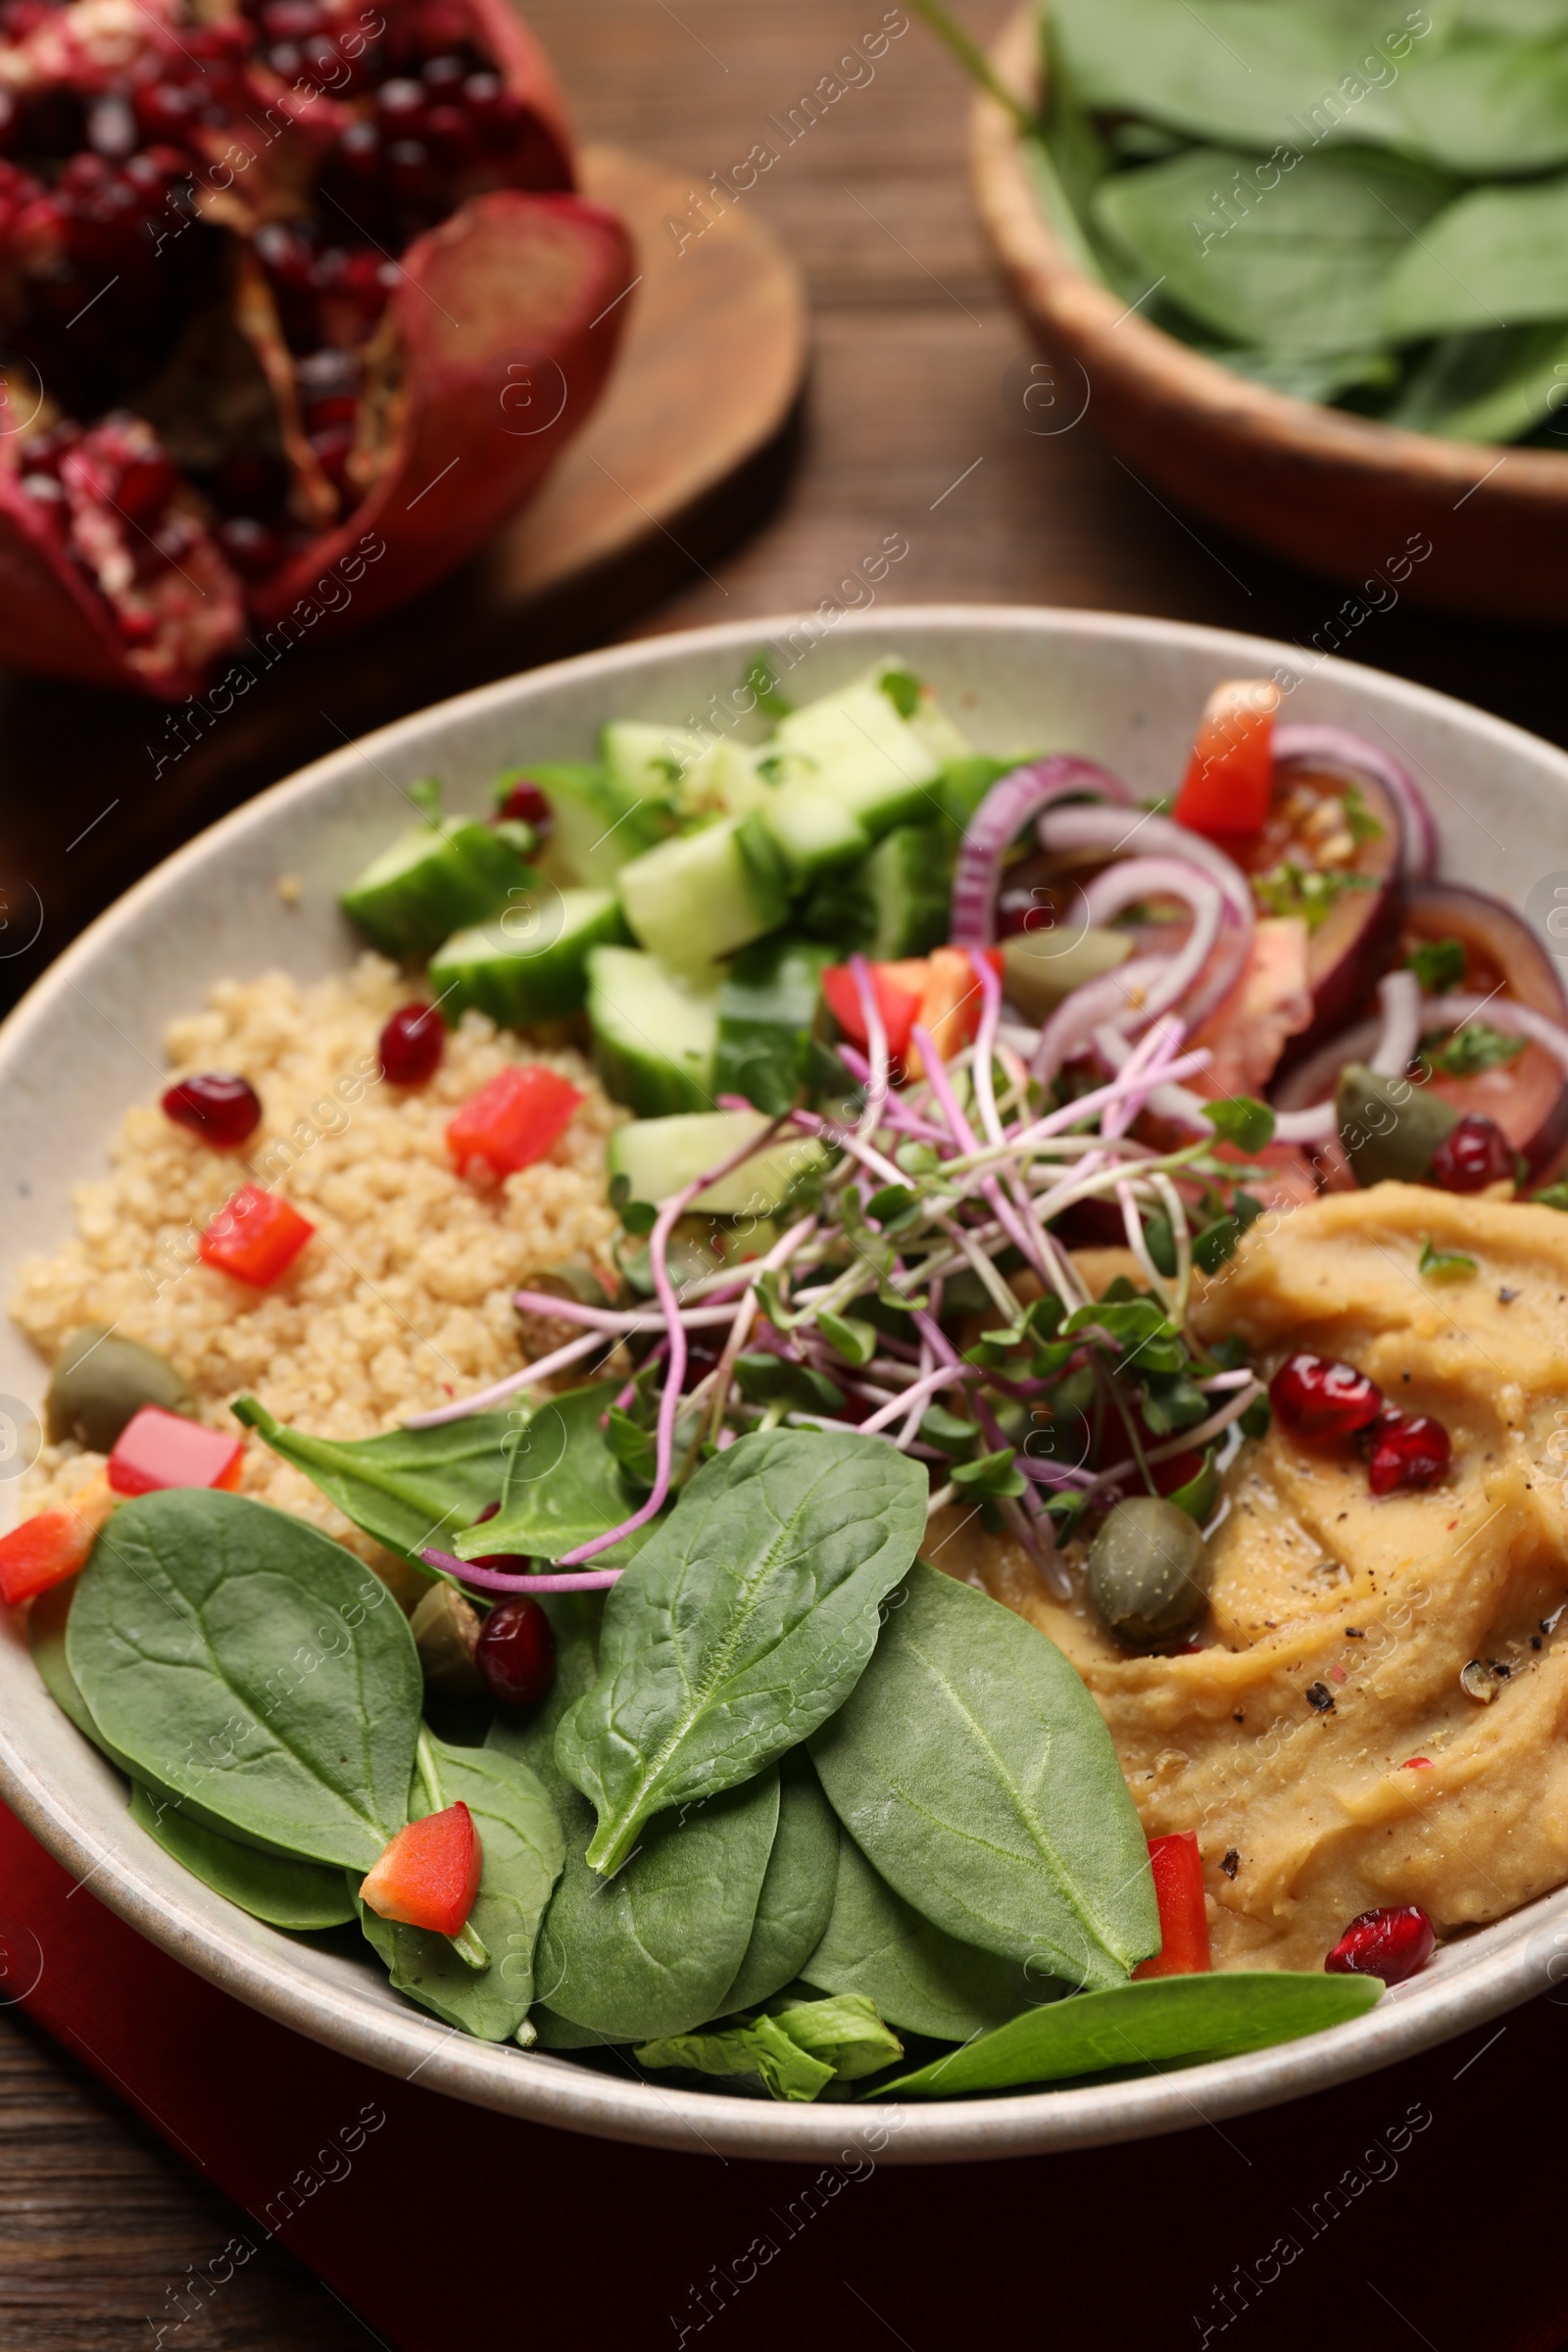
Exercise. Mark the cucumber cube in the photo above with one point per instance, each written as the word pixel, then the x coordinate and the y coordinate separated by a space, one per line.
pixel 646 762
pixel 660 1156
pixel 708 893
pixel 532 964
pixel 896 902
pixel 434 879
pixel 812 828
pixel 654 1031
pixel 597 825
pixel 872 759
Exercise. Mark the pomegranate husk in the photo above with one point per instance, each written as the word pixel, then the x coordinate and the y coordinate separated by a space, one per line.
pixel 509 283
pixel 500 299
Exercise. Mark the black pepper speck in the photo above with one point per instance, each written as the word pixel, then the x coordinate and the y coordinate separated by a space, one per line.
pixel 1232 1862
pixel 1319 1696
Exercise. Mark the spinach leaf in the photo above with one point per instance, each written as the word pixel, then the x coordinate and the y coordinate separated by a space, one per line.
pixel 1144 2024
pixel 1494 386
pixel 278 1887
pixel 523 1856
pixel 1240 73
pixel 1497 256
pixel 1305 270
pixel 875 1943
pixel 796 1894
pixel 744 1621
pixel 976 1774
pixel 241 1657
pixel 796 2048
pixel 409 1488
pixel 1483 105
pixel 564 1484
pixel 655 1949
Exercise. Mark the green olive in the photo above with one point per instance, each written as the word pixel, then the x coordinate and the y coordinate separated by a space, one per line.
pixel 446 1633
pixel 1390 1127
pixel 100 1381
pixel 1149 1571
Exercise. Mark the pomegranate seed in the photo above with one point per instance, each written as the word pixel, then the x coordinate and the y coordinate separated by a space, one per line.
pixel 1020 911
pixel 250 547
pixel 444 74
pixel 146 486
pixel 410 1048
pixel 219 1107
pixel 526 804
pixel 1416 1764
pixel 1409 1451
pixel 1392 1944
pixel 360 150
pixel 1472 1156
pixel 517 1652
pixel 401 106
pixel 1321 1402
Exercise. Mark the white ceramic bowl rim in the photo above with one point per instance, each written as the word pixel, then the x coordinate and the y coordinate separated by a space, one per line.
pixel 66 1796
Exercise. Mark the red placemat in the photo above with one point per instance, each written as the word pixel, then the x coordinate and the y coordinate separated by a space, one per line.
pixel 1418 2206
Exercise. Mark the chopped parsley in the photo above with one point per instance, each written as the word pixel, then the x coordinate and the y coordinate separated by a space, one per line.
pixel 1311 891
pixel 1475 1047
pixel 1439 965
pixel 763 679
pixel 903 690
pixel 1444 1265
pixel 1358 818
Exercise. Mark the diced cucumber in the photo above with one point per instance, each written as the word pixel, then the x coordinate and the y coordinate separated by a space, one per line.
pixel 435 878
pixel 814 828
pixel 660 1156
pixel 896 902
pixel 870 756
pixel 1041 969
pixel 654 1031
pixel 532 964
pixel 767 1008
pixel 646 761
pixel 599 826
pixel 707 893
pixel 724 782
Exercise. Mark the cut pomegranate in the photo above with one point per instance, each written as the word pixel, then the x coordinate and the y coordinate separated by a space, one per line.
pixel 156 1450
pixel 275 270
pixel 1322 1402
pixel 53 1545
pixel 516 1652
pixel 411 1045
pixel 255 1237
pixel 1407 1452
pixel 1392 1944
pixel 429 1873
pixel 513 1121
pixel 1472 1156
pixel 1178 1869
pixel 219 1107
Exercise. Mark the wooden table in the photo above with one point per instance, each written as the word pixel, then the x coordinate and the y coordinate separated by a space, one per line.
pixel 916 425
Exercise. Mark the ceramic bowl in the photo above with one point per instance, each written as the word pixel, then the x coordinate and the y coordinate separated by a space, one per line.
pixel 1340 495
pixel 87 1041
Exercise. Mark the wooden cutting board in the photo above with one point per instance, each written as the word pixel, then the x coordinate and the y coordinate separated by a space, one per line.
pixel 686 450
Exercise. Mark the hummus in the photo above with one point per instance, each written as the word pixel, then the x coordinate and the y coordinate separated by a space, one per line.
pixel 1340 1624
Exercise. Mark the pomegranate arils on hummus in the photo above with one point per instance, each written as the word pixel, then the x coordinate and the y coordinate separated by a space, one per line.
pixel 1322 1402
pixel 267 273
pixel 1392 1944
pixel 1408 1451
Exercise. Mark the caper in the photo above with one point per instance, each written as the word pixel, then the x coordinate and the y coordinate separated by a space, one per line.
pixel 446 1633
pixel 1149 1571
pixel 1390 1127
pixel 100 1381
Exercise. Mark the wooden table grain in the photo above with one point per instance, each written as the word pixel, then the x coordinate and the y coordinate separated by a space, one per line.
pixel 925 425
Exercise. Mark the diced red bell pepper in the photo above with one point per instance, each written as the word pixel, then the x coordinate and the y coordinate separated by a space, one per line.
pixel 1178 1870
pixel 429 1873
pixel 255 1237
pixel 155 1449
pixel 53 1545
pixel 1230 774
pixel 514 1120
pixel 897 988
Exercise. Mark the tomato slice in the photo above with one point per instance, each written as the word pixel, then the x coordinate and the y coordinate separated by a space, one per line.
pixel 1230 774
pixel 53 1545
pixel 897 990
pixel 429 1873
pixel 514 1120
pixel 1178 1870
pixel 255 1237
pixel 156 1450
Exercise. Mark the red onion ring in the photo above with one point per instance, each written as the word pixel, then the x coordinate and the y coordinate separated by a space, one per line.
pixel 1386 1046
pixel 1007 808
pixel 1302 744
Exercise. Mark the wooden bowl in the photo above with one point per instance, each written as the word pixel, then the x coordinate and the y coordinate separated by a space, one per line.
pixel 1340 495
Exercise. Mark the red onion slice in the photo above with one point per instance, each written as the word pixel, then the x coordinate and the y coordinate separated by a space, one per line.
pixel 1499 1013
pixel 1120 886
pixel 1340 750
pixel 1386 1046
pixel 1007 808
